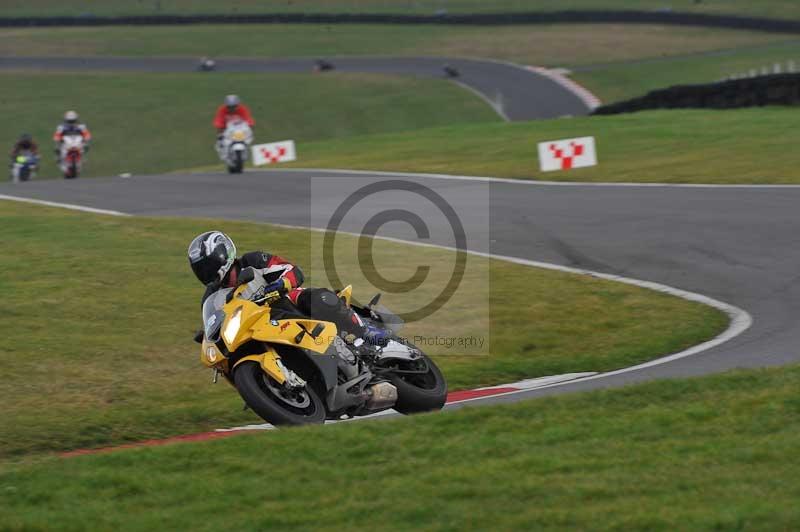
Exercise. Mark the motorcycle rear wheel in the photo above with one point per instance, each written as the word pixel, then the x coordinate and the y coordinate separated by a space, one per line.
pixel 420 393
pixel 263 395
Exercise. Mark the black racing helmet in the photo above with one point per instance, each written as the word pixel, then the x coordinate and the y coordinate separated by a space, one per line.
pixel 211 256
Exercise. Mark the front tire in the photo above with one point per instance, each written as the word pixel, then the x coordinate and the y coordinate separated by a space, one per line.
pixel 420 393
pixel 238 163
pixel 72 170
pixel 264 396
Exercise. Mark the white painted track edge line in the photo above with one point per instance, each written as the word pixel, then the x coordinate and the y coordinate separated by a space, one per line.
pixel 741 320
pixel 62 205
pixel 495 107
pixel 508 388
pixel 525 182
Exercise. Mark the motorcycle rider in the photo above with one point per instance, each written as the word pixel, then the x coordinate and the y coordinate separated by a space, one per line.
pixel 71 126
pixel 231 109
pixel 212 257
pixel 25 143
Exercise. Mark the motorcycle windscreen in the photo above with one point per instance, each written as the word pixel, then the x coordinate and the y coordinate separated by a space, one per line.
pixel 392 321
pixel 213 315
pixel 254 290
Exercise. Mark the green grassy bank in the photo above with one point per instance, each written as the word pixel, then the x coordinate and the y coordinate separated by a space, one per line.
pixel 147 123
pixel 717 453
pixel 98 341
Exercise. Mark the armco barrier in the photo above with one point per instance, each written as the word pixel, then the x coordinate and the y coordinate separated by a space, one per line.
pixel 572 16
pixel 778 89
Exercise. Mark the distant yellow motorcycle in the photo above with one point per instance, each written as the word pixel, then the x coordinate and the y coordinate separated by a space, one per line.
pixel 298 370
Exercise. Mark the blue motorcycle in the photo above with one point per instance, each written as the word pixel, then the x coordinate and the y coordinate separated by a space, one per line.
pixel 24 167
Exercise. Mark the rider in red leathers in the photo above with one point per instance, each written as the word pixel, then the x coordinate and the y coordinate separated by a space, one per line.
pixel 233 108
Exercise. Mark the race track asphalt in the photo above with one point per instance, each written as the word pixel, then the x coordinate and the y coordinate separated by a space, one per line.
pixel 735 244
pixel 513 91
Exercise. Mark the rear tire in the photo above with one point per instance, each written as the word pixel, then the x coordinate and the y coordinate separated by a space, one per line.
pixel 420 393
pixel 259 393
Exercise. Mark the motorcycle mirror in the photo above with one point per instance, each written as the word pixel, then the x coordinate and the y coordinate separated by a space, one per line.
pixel 317 330
pixel 246 275
pixel 374 300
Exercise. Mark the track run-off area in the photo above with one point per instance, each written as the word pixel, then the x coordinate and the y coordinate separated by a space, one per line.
pixel 733 247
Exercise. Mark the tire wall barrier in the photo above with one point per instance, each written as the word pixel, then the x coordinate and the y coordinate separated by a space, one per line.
pixel 778 89
pixel 554 17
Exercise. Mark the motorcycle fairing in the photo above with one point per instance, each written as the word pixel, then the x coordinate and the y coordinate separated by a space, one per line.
pixel 255 324
pixel 268 362
pixel 346 294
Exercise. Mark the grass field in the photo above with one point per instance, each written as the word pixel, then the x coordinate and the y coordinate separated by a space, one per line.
pixel 767 8
pixel 153 122
pixel 98 341
pixel 717 453
pixel 379 123
pixel 540 45
pixel 614 61
pixel 737 146
pixel 619 81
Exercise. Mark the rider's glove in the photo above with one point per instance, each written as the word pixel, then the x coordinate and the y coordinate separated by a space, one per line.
pixel 277 289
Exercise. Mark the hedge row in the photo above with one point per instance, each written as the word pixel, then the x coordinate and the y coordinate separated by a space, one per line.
pixel 778 89
pixel 583 16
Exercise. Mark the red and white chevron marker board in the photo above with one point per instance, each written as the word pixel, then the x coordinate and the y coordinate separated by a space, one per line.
pixel 274 152
pixel 567 154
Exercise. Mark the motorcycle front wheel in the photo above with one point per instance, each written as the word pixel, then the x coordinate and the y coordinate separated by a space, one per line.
pixel 419 390
pixel 273 402
pixel 238 163
pixel 72 171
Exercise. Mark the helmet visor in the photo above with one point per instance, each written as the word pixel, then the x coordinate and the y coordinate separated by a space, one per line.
pixel 206 271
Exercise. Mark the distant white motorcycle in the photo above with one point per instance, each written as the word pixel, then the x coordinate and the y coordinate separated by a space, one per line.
pixel 234 147
pixel 71 155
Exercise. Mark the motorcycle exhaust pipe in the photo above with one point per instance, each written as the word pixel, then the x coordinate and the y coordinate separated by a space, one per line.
pixel 380 396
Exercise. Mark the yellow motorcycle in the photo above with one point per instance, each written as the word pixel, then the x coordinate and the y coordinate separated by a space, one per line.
pixel 297 370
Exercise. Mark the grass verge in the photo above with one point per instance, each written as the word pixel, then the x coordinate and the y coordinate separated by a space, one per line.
pixel 716 453
pixel 100 315
pixel 148 123
pixel 620 81
pixel 536 45
pixel 737 146
pixel 764 8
